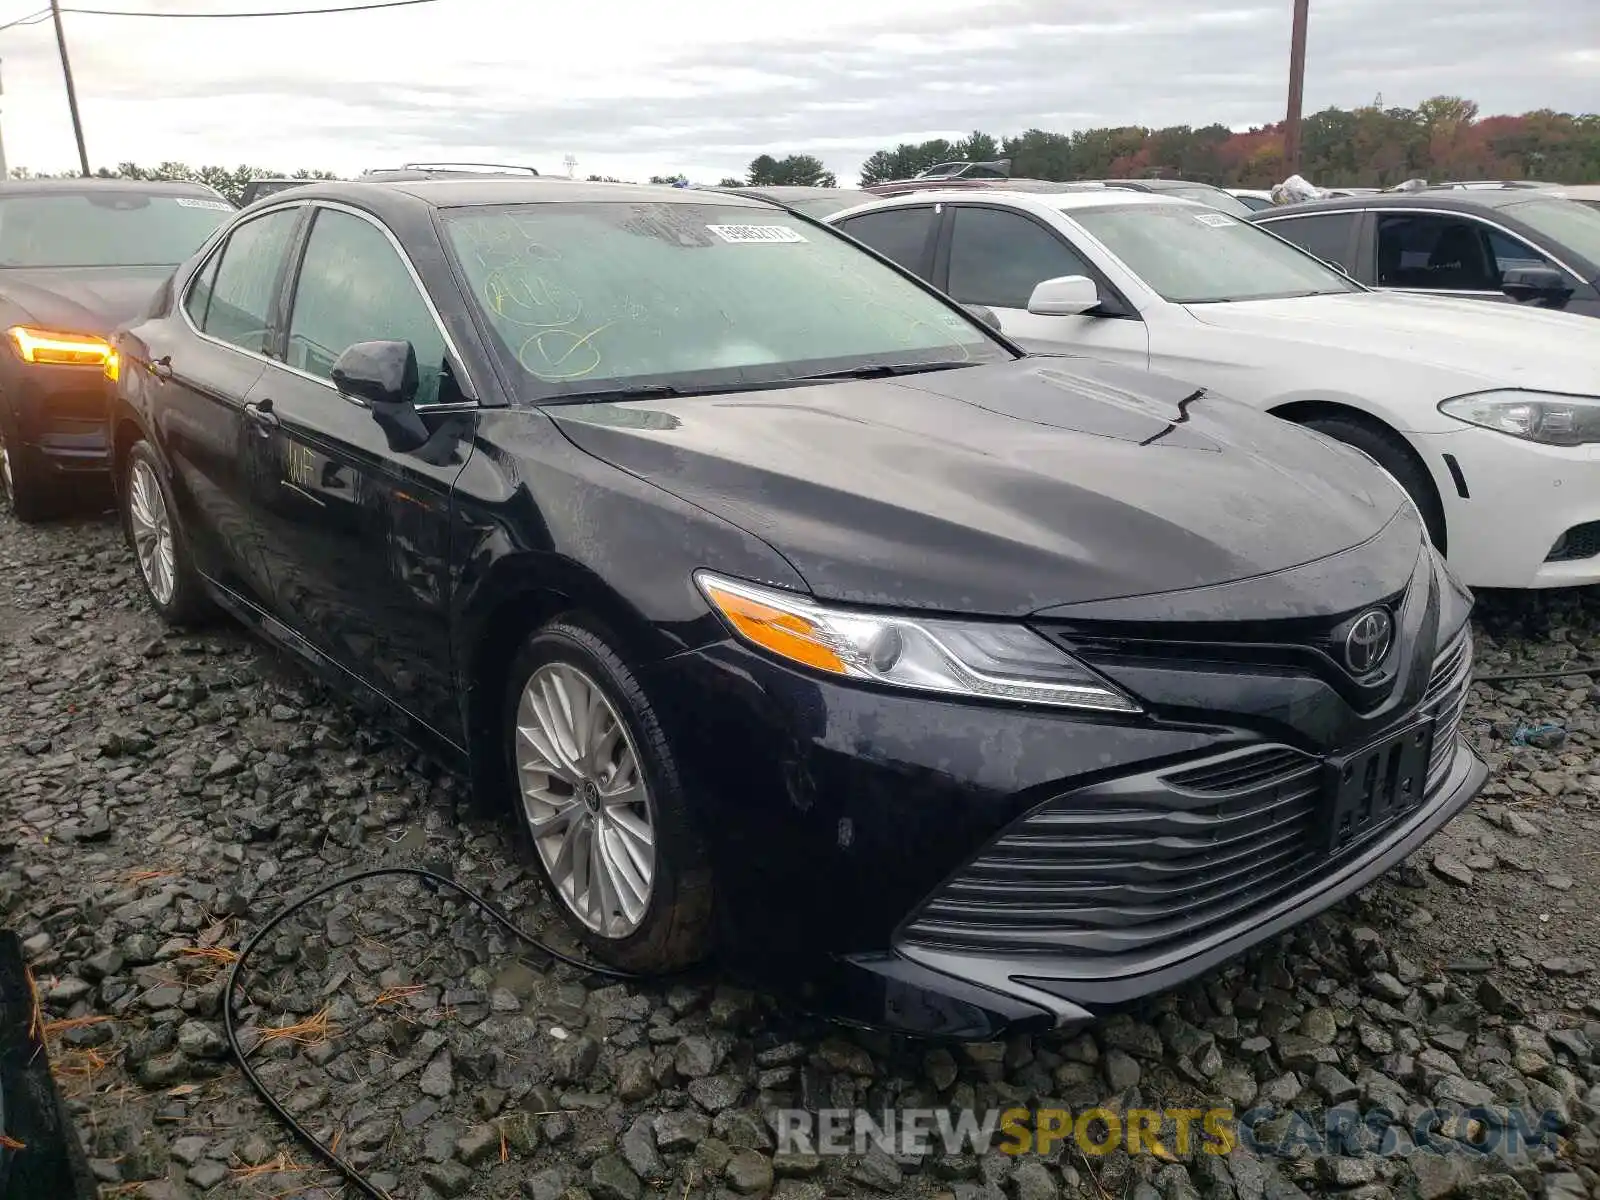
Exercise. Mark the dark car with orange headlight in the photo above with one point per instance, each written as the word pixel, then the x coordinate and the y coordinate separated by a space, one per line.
pixel 78 257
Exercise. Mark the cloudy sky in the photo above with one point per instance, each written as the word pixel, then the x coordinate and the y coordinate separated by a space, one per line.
pixel 640 87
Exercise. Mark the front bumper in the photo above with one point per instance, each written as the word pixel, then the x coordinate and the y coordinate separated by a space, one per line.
pixel 858 837
pixel 1521 499
pixel 55 416
pixel 1072 991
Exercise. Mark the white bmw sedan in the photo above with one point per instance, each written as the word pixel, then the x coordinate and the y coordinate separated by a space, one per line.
pixel 1488 415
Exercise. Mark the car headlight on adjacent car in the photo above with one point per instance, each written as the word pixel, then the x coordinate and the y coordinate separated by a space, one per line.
pixel 47 346
pixel 980 659
pixel 1549 418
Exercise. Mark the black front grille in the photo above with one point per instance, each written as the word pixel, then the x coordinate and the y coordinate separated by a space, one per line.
pixel 1578 543
pixel 1134 863
pixel 1445 701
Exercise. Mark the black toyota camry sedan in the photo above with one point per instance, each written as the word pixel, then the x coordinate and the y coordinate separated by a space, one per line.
pixel 792 614
pixel 77 258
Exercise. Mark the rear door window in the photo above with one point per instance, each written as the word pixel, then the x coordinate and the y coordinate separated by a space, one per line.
pixel 1435 252
pixel 997 258
pixel 1327 235
pixel 239 310
pixel 903 235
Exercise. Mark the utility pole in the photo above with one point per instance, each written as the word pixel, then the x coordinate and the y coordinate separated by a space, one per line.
pixel 72 94
pixel 1297 85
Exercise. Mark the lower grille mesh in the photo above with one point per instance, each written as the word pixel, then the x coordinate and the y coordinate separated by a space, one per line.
pixel 1134 863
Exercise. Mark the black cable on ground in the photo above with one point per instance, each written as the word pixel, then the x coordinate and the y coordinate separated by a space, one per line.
pixel 343 1166
pixel 347 1169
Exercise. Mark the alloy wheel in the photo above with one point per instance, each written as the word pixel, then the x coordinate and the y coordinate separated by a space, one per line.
pixel 585 799
pixel 152 533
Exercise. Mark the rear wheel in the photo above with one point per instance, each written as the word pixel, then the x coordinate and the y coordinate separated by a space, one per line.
pixel 1396 459
pixel 149 521
pixel 600 805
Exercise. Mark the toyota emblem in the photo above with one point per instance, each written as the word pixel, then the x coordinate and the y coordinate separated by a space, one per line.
pixel 1368 640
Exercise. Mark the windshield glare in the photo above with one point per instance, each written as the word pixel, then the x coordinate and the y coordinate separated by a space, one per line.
pixel 591 297
pixel 105 228
pixel 1563 225
pixel 1193 255
pixel 1215 197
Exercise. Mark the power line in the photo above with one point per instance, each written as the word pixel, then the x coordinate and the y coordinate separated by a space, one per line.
pixel 31 19
pixel 279 12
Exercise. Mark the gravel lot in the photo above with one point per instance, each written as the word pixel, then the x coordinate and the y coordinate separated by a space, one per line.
pixel 163 795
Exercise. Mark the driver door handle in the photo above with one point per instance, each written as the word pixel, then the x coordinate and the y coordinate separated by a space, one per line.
pixel 259 413
pixel 162 368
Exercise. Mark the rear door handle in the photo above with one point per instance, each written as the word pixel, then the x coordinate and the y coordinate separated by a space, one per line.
pixel 162 368
pixel 259 413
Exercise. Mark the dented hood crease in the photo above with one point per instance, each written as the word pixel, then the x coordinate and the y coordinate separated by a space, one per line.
pixel 1000 489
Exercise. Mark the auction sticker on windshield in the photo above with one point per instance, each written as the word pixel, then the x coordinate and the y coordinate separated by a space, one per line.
pixel 219 205
pixel 1215 220
pixel 756 233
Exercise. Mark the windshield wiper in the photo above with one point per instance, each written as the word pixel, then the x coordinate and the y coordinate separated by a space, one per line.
pixel 883 370
pixel 643 391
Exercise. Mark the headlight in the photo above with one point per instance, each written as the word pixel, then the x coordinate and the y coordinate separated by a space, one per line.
pixel 60 349
pixel 991 660
pixel 1545 417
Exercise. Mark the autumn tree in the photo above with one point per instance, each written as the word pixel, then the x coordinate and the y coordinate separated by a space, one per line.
pixel 1444 138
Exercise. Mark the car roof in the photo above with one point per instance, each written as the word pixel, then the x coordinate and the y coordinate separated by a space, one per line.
pixel 786 191
pixel 474 191
pixel 1062 201
pixel 1159 185
pixel 81 184
pixel 1463 199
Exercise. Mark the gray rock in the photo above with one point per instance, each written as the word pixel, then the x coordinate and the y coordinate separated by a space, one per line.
pixel 548 1184
pixel 449 1179
pixel 478 1144
pixel 638 1147
pixel 438 1077
pixel 680 1129
pixel 748 1172
pixel 716 1092
pixel 612 1179
pixel 199 1040
pixel 1318 1025
pixel 573 1060
pixel 206 1174
pixel 697 1056
pixel 1121 1070
pixel 1032 1180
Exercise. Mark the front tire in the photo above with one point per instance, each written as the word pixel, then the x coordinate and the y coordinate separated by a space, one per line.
pixel 600 805
pixel 30 491
pixel 150 523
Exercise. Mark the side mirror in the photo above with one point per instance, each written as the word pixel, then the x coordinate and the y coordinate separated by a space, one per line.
pixel 1544 285
pixel 382 376
pixel 1064 296
pixel 985 314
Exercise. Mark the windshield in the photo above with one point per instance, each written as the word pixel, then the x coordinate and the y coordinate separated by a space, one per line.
pixel 1215 197
pixel 1563 224
pixel 818 207
pixel 1197 256
pixel 608 296
pixel 105 228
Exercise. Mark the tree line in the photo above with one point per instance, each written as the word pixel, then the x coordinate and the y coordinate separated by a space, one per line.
pixel 1442 139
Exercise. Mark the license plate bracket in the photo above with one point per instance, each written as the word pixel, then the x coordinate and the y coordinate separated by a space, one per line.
pixel 1371 787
